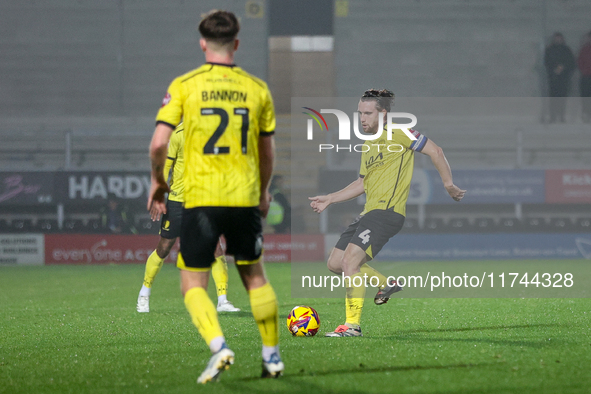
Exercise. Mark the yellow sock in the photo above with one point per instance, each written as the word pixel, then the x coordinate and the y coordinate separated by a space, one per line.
pixel 263 303
pixel 153 265
pixel 219 271
pixel 366 269
pixel 354 300
pixel 203 314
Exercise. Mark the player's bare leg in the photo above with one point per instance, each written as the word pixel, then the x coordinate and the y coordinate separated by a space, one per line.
pixel 352 259
pixel 354 265
pixel 335 261
pixel 153 266
pixel 204 316
pixel 219 271
pixel 385 290
pixel 263 303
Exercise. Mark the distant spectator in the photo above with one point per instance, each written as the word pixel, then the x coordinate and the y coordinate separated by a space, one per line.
pixel 115 218
pixel 584 62
pixel 279 215
pixel 560 65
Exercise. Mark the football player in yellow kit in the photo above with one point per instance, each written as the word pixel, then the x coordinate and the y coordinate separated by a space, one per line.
pixel 384 177
pixel 229 122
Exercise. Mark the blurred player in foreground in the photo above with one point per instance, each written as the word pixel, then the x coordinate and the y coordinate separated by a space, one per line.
pixel 384 177
pixel 229 150
pixel 170 229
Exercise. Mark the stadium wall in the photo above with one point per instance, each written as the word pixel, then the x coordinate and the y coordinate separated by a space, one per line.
pixel 75 58
pixel 451 48
pixel 82 249
pixel 452 247
pixel 51 249
pixel 112 58
pixel 43 195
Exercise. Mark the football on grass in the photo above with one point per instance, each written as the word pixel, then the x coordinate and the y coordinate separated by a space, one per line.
pixel 303 321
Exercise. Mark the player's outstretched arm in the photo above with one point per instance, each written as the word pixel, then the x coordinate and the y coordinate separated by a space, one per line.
pixel 320 203
pixel 266 162
pixel 440 162
pixel 158 187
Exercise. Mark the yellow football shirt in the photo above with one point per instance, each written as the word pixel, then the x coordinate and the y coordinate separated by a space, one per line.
pixel 224 111
pixel 175 164
pixel 386 169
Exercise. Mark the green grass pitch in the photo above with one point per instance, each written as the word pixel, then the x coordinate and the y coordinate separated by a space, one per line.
pixel 74 329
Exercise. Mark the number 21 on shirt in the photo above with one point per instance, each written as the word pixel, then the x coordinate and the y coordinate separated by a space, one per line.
pixel 210 147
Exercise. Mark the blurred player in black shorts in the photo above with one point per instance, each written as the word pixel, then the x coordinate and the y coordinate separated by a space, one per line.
pixel 170 230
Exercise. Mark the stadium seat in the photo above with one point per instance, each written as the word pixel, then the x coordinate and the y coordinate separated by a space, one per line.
pixel 562 225
pixel 411 225
pixel 147 226
pixel 73 226
pixel 459 225
pixel 510 225
pixel 535 224
pixel 21 225
pixel 583 224
pixel 434 225
pixel 47 226
pixel 69 225
pixel 93 226
pixel 483 225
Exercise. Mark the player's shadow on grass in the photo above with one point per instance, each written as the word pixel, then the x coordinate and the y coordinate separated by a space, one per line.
pixel 519 342
pixel 460 329
pixel 409 335
pixel 363 369
pixel 236 314
pixel 182 314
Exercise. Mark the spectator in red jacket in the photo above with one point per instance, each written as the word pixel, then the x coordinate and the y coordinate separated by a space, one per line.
pixel 584 62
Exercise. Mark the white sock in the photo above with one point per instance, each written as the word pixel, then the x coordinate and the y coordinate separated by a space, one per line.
pixel 269 350
pixel 145 291
pixel 222 299
pixel 216 344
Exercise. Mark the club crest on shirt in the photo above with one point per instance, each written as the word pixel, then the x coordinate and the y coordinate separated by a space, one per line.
pixel 166 99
